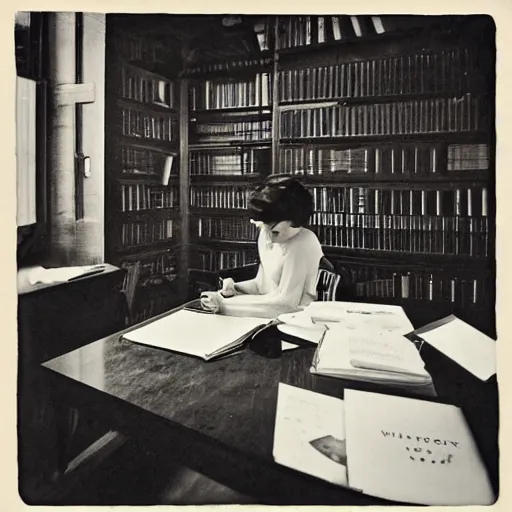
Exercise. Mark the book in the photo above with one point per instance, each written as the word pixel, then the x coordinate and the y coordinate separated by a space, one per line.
pixel 203 335
pixel 371 355
pixel 467 346
pixel 400 449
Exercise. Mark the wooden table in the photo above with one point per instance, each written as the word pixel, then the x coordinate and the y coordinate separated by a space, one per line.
pixel 218 417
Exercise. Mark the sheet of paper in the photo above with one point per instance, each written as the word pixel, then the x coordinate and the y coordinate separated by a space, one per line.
pixel 311 334
pixel 61 274
pixel 356 315
pixel 467 346
pixel 193 333
pixel 412 451
pixel 288 346
pixel 299 318
pixel 309 434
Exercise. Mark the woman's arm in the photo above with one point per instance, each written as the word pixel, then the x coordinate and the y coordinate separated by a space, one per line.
pixel 285 299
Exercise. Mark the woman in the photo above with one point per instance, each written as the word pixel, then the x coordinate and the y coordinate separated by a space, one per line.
pixel 289 255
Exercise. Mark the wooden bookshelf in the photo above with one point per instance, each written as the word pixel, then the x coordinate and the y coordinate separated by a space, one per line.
pixel 230 135
pixel 396 146
pixel 142 143
pixel 389 121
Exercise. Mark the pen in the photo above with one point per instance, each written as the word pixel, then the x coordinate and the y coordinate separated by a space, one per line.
pixel 87 274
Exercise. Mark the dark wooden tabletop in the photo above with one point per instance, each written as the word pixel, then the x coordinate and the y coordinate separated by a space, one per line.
pixel 218 417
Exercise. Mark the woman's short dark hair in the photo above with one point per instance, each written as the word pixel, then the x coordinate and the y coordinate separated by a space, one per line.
pixel 279 198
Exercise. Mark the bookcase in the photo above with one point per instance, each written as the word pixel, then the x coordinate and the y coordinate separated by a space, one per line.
pixel 393 134
pixel 142 161
pixel 230 149
pixel 388 120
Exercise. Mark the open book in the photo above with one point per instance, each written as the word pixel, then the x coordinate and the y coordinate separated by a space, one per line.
pixel 202 335
pixel 395 448
pixel 370 355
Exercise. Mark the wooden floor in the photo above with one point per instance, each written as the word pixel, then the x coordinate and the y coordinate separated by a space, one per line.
pixel 131 476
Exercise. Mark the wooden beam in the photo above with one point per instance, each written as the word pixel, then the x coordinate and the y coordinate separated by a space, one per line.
pixel 71 94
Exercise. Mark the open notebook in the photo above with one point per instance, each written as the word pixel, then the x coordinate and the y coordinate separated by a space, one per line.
pixel 370 355
pixel 202 335
pixel 395 448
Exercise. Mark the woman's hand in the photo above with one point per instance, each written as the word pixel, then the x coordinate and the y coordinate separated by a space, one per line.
pixel 210 301
pixel 228 287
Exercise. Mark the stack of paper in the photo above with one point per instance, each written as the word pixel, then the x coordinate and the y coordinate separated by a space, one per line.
pixel 300 326
pixel 370 355
pixel 359 315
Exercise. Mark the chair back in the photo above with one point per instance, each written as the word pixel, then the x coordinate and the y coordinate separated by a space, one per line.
pixel 327 281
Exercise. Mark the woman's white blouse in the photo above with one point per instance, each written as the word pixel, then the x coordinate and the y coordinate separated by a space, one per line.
pixel 286 278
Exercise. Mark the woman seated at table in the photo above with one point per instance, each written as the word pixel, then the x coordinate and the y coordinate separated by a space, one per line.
pixel 289 255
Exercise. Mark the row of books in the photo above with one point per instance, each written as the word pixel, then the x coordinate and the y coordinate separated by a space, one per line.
pixel 462 157
pixel 147 88
pixel 137 161
pixel 463 236
pixel 466 113
pixel 299 31
pixel 146 232
pixel 139 197
pixel 425 286
pixel 231 65
pixel 225 228
pixel 307 160
pixel 414 158
pixel 233 131
pixel 458 202
pixel 231 197
pixel 228 162
pixel 425 72
pixel 212 261
pixel 226 93
pixel 154 126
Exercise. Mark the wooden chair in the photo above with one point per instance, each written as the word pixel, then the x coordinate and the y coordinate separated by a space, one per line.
pixel 326 284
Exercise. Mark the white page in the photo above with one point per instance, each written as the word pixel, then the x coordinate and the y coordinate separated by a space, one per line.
pixel 467 346
pixel 303 416
pixel 313 334
pixel 387 438
pixel 377 349
pixel 288 346
pixel 193 333
pixel 334 358
pixel 357 315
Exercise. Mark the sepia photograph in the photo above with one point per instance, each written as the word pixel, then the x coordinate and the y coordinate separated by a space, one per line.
pixel 256 259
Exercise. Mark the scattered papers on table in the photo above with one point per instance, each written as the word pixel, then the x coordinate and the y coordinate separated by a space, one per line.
pixel 359 315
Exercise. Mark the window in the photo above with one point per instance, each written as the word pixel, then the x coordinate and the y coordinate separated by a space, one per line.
pixel 29 32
